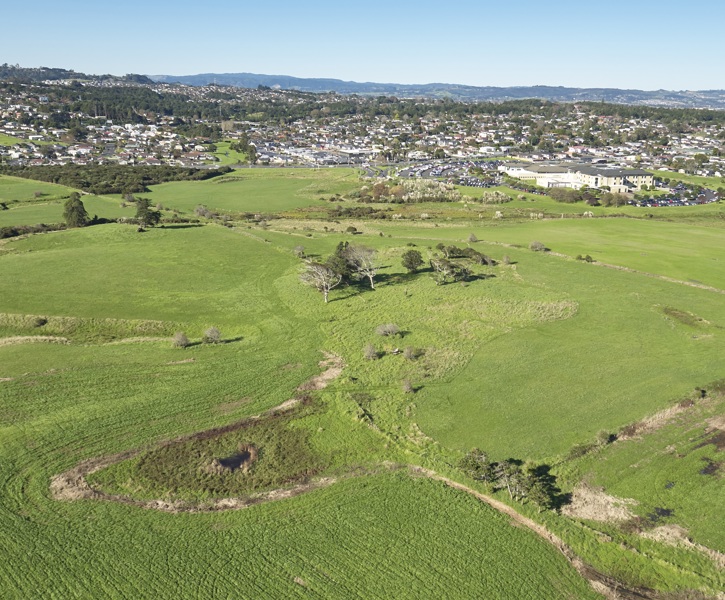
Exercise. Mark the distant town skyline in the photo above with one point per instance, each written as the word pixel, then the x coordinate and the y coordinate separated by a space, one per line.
pixel 645 44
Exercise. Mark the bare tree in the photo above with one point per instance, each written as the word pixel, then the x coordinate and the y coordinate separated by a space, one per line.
pixel 320 277
pixel 362 261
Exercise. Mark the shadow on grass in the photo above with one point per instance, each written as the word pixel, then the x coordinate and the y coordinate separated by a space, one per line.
pixel 219 343
pixel 180 225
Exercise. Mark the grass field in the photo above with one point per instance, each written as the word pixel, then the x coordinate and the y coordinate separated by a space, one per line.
pixel 32 202
pixel 146 391
pixel 9 140
pixel 686 252
pixel 526 360
pixel 228 156
pixel 257 190
pixel 709 182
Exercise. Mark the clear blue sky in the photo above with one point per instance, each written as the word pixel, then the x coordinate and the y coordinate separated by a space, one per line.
pixel 644 44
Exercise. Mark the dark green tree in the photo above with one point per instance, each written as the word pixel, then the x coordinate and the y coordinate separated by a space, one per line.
pixel 74 212
pixel 477 465
pixel 412 260
pixel 145 215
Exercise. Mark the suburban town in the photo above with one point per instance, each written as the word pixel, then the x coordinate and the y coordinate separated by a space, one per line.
pixel 35 130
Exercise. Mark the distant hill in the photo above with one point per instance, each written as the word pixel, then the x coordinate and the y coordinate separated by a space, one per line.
pixel 690 99
pixel 37 74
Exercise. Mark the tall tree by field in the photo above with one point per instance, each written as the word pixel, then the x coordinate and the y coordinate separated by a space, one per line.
pixel 74 212
pixel 145 215
pixel 321 277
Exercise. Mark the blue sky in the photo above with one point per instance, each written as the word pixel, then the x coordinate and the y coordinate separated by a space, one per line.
pixel 644 44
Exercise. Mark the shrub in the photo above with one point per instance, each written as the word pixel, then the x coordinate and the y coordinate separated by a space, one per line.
pixel 180 340
pixel 506 259
pixel 408 387
pixel 389 329
pixel 351 229
pixel 212 336
pixel 369 352
pixel 537 246
pixel 412 260
pixel 409 353
pixel 472 238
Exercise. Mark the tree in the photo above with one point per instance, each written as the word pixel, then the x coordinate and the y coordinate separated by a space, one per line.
pixel 412 260
pixel 445 271
pixel 146 217
pixel 74 212
pixel 510 475
pixel 321 277
pixel 361 260
pixel 477 465
pixel 338 262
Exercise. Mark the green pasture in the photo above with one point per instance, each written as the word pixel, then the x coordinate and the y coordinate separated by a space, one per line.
pixel 509 359
pixel 683 251
pixel 31 202
pixel 9 140
pixel 16 190
pixel 526 360
pixel 227 156
pixel 60 404
pixel 256 190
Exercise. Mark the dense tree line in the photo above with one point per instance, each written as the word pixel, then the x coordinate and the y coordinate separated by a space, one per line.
pixel 111 179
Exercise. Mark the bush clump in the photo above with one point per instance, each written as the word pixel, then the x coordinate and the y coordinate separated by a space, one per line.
pixel 388 330
pixel 180 340
pixel 212 336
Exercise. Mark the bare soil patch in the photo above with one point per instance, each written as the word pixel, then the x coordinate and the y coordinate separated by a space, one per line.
pixel 674 535
pixel 596 505
pixel 186 361
pixel 332 365
pixel 655 421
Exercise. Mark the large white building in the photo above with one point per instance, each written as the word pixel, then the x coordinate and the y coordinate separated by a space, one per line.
pixel 577 176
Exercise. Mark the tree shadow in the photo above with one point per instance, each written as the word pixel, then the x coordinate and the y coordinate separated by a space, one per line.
pixel 180 225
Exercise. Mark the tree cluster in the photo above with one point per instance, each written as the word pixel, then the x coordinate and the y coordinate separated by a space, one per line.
pixel 522 481
pixel 470 253
pixel 346 264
